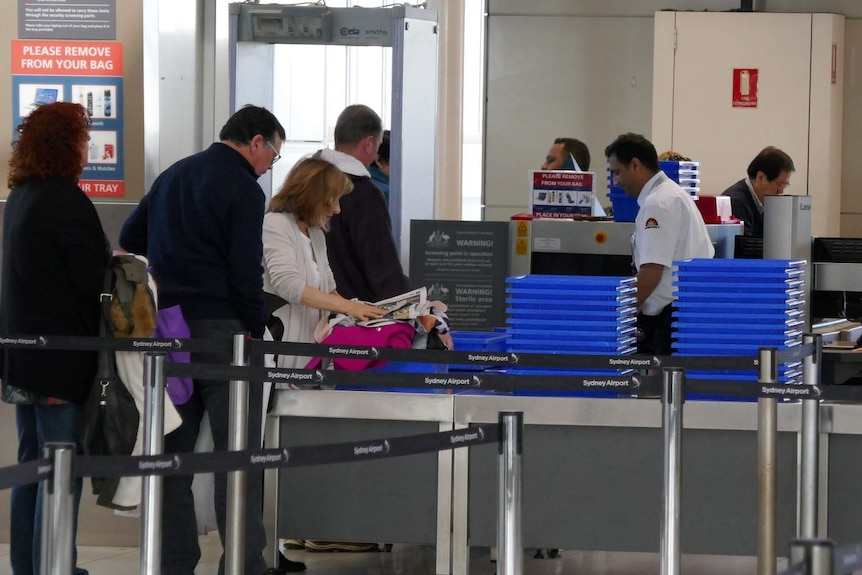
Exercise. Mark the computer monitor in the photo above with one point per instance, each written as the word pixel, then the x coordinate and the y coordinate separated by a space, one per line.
pixel 847 304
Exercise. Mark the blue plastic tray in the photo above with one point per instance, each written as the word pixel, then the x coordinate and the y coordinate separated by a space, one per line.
pixel 698 274
pixel 783 371
pixel 736 286
pixel 734 266
pixel 553 295
pixel 575 347
pixel 571 314
pixel 740 297
pixel 562 324
pixel 717 349
pixel 625 210
pixel 479 341
pixel 543 280
pixel 696 316
pixel 574 337
pixel 609 304
pixel 411 367
pixel 721 329
pixel 739 309
pixel 682 164
pixel 760 340
pixel 512 348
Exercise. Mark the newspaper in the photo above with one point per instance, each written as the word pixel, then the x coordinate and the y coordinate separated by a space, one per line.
pixel 401 307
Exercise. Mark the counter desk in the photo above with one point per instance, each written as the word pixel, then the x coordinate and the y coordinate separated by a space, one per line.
pixel 592 473
pixel 397 500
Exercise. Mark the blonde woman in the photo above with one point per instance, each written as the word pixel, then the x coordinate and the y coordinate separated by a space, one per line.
pixel 296 267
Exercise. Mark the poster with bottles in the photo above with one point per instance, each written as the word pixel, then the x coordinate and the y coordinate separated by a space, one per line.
pixel 561 193
pixel 86 73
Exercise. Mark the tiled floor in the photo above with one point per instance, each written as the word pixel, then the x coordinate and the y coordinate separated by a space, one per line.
pixel 419 560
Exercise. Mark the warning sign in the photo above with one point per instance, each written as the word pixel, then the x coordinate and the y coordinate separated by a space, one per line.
pixel 521 247
pixel 523 230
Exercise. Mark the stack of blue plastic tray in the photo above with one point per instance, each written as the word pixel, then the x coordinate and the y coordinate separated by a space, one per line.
pixel 686 174
pixel 575 315
pixel 736 307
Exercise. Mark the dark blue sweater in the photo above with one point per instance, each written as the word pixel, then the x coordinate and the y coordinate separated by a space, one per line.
pixel 200 227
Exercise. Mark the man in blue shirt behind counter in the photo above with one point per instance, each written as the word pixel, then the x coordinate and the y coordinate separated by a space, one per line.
pixel 200 226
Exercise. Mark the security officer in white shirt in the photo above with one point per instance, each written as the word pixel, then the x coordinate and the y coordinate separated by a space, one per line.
pixel 668 228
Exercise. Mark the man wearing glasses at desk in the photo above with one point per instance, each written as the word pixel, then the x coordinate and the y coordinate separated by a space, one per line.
pixel 200 227
pixel 768 175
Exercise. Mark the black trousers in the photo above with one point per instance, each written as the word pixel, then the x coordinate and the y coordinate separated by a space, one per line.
pixel 654 337
pixel 180 550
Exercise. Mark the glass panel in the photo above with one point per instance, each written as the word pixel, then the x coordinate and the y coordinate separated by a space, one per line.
pixel 473 77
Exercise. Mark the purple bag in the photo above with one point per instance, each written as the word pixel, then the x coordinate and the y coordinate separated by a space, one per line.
pixel 170 324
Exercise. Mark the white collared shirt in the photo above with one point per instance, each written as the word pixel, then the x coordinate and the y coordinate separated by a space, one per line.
pixel 668 228
pixel 757 201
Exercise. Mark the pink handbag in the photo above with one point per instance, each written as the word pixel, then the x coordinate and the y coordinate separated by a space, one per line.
pixel 398 335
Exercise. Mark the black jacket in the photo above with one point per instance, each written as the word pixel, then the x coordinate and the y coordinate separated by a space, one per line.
pixel 744 208
pixel 54 258
pixel 361 250
pixel 200 226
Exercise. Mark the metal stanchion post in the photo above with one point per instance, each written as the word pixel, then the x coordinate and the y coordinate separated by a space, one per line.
pixel 767 438
pixel 58 508
pixel 672 398
pixel 154 444
pixel 816 555
pixel 810 436
pixel 510 552
pixel 236 480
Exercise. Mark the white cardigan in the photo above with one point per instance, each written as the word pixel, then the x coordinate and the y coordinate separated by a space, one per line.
pixel 287 271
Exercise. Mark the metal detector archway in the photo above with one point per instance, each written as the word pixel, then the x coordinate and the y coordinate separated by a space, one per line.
pixel 411 33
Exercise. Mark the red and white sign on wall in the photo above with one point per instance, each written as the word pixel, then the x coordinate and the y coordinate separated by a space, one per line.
pixel 745 87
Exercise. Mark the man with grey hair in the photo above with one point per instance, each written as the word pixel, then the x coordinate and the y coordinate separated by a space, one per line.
pixel 361 249
pixel 768 175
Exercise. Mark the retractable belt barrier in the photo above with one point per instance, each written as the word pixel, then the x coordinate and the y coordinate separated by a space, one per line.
pixel 81 343
pixel 224 461
pixel 497 359
pixel 636 384
pixel 637 375
pixel 486 381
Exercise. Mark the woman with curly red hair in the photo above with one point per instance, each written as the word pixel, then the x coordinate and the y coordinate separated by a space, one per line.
pixel 54 259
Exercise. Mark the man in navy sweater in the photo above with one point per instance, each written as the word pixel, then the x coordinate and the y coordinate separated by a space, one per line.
pixel 200 226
